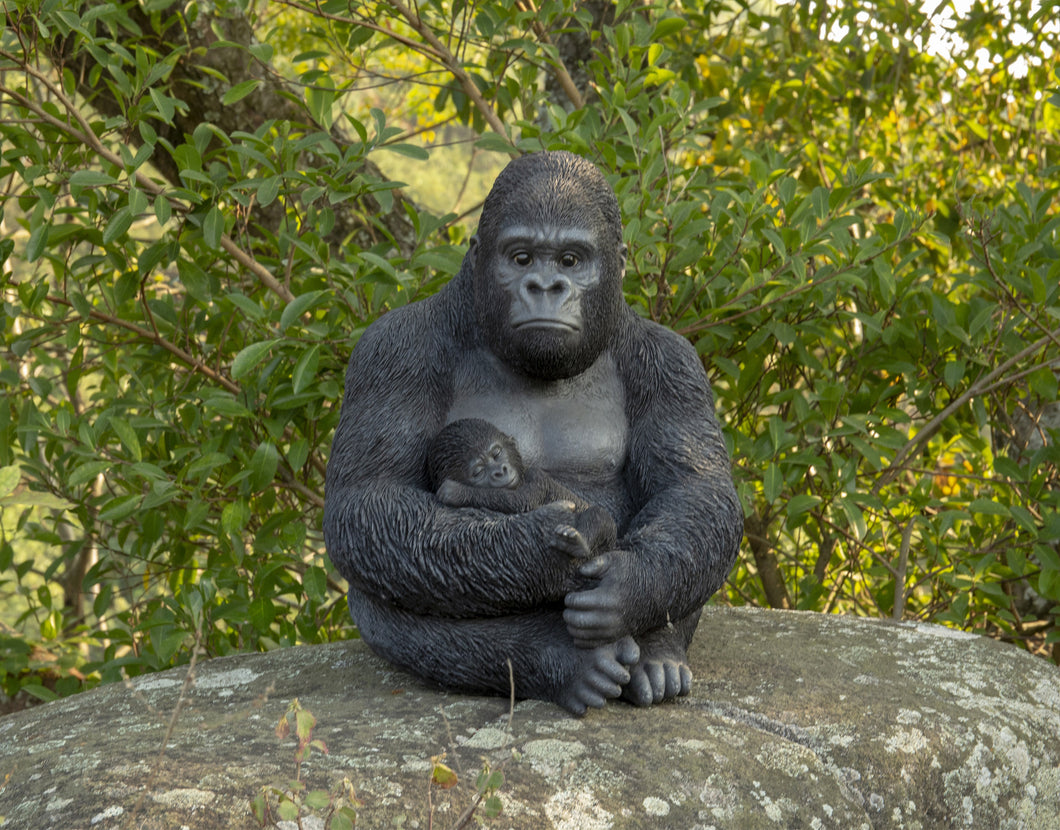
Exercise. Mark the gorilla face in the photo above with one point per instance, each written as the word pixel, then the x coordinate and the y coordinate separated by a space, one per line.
pixel 548 265
pixel 494 467
pixel 474 452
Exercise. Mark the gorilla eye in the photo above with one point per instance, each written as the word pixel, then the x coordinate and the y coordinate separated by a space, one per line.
pixel 569 260
pixel 522 258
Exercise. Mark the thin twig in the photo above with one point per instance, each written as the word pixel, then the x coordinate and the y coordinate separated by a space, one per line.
pixel 153 337
pixel 981 387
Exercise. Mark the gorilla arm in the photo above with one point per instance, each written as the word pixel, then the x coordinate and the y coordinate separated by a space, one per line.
pixel 679 546
pixel 385 533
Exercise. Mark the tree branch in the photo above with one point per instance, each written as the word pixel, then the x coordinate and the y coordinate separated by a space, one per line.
pixel 981 386
pixel 184 357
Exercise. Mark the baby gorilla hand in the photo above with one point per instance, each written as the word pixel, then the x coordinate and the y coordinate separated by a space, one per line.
pixel 451 493
pixel 598 615
pixel 571 542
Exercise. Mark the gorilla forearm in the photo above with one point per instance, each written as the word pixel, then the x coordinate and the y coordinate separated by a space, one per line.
pixel 396 544
pixel 684 559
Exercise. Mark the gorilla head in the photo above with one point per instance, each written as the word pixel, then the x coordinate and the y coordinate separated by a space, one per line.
pixel 474 452
pixel 548 263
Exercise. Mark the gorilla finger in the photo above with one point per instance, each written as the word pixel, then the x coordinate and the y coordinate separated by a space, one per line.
pixel 562 506
pixel 656 675
pixel 618 674
pixel 638 691
pixel 686 680
pixel 591 637
pixel 628 651
pixel 591 642
pixel 589 622
pixel 594 567
pixel 591 696
pixel 605 686
pixel 592 600
pixel 673 679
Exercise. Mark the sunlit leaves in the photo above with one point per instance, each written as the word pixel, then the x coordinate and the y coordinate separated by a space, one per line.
pixel 858 237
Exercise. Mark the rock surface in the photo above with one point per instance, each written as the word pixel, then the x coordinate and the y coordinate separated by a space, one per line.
pixel 795 720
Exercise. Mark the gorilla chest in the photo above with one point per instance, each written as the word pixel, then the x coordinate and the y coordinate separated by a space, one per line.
pixel 575 429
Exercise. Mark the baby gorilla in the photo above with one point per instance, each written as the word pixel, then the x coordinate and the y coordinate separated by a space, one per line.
pixel 471 463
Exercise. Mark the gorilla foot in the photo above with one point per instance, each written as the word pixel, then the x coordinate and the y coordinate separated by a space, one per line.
pixel 599 676
pixel 660 674
pixel 570 541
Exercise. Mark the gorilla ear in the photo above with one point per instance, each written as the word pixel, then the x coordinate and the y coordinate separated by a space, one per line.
pixel 472 250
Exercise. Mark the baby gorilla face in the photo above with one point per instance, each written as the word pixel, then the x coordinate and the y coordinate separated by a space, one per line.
pixel 493 468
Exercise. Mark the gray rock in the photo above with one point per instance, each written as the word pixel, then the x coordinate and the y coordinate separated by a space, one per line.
pixel 795 720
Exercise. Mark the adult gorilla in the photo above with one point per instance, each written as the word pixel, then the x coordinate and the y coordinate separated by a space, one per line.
pixel 533 335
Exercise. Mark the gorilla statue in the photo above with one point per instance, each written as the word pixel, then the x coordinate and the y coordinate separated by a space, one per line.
pixel 534 336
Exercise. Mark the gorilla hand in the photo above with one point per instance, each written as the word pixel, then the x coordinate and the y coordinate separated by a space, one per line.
pixel 601 674
pixel 571 542
pixel 598 615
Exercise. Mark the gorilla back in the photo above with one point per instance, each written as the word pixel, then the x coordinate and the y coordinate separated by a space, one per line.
pixel 534 336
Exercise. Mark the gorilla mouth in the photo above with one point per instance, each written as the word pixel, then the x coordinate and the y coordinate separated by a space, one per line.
pixel 548 323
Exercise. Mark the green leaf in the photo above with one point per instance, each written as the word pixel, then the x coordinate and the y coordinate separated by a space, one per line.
pixel 299 306
pixel 165 105
pixel 800 504
pixel 10 477
pixel 225 405
pixel 120 508
pixel 443 776
pixel 33 498
pixel 494 143
pixel 213 226
pixel 668 26
pixel 262 51
pixel 40 692
pixel 240 91
pixel 989 507
pixel 346 818
pixel 315 583
pixel 411 151
pixel 163 209
pixel 772 483
pixel 127 435
pixel 250 357
pixel 87 472
pixel 91 178
pixel 260 613
pixel 35 245
pixel 287 809
pixel 269 189
pixel 305 370
pixel 118 225
pixel 263 465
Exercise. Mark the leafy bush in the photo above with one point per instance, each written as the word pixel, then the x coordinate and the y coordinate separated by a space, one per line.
pixel 195 230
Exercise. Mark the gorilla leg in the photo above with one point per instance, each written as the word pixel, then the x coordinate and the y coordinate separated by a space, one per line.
pixel 662 671
pixel 472 655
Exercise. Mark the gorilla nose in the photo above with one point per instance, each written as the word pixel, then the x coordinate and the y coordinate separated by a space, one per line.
pixel 548 284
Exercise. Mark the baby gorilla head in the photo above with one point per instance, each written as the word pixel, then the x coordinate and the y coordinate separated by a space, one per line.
pixel 474 452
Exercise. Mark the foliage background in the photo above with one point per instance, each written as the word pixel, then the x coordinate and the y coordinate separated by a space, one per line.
pixel 849 208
